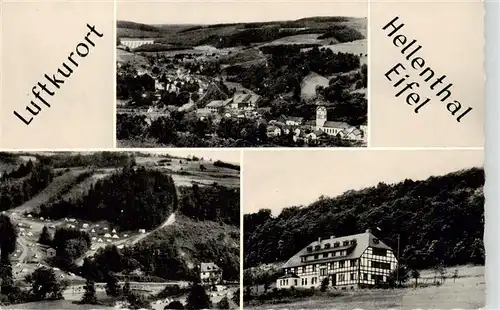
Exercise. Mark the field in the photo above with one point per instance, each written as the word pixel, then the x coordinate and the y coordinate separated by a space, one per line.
pixel 467 292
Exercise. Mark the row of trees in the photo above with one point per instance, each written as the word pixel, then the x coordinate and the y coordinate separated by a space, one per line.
pixel 131 199
pixel 439 220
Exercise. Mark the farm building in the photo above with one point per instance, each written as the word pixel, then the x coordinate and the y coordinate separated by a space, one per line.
pixel 348 262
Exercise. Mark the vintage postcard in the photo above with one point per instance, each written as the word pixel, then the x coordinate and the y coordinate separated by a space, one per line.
pixel 242 74
pixel 364 229
pixel 129 230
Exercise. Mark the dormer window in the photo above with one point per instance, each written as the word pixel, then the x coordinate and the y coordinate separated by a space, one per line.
pixel 375 240
pixel 336 244
pixel 318 247
pixel 309 249
pixel 345 243
pixel 327 246
pixel 353 242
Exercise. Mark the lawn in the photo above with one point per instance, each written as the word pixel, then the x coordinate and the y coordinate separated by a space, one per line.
pixel 467 292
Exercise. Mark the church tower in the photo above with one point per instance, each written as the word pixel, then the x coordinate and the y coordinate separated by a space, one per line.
pixel 320 116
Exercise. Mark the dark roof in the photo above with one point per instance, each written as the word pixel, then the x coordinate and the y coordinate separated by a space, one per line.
pixel 289 275
pixel 363 241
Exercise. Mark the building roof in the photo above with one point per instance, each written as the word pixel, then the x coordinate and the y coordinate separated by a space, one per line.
pixel 207 267
pixel 216 104
pixel 340 125
pixel 289 275
pixel 295 119
pixel 363 241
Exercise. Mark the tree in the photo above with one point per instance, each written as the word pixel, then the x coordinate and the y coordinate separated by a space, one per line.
pixel 137 301
pixel 223 303
pixel 266 287
pixel 126 288
pixel 198 298
pixel 112 287
pixel 455 275
pixel 415 274
pixel 174 305
pixel 45 237
pixel 44 284
pixel 324 284
pixel 89 297
pixel 8 237
pixel 6 280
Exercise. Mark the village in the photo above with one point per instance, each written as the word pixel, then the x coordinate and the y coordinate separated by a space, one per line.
pixel 204 96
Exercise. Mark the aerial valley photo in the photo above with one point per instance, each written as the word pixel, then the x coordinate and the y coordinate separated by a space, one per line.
pixel 236 77
pixel 364 229
pixel 120 230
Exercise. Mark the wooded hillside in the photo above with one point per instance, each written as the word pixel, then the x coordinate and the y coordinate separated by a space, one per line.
pixel 440 220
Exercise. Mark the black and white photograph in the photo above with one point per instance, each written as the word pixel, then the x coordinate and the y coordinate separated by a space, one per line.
pixel 363 229
pixel 242 74
pixel 120 230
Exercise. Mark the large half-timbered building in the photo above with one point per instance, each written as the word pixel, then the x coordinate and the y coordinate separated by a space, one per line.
pixel 348 262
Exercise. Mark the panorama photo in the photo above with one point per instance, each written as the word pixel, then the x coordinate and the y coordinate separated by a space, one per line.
pixel 120 230
pixel 364 229
pixel 242 74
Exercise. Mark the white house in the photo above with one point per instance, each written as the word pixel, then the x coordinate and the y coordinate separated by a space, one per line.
pixel 348 262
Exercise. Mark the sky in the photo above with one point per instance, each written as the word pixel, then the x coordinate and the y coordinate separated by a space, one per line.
pixel 210 12
pixel 279 179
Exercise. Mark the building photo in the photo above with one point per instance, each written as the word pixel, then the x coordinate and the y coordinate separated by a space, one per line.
pixel 361 228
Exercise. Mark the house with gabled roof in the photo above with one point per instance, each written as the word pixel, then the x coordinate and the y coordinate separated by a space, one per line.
pixel 348 262
pixel 210 273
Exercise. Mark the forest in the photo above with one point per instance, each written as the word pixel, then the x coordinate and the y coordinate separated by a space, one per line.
pixel 440 220
pixel 131 199
pixel 22 184
pixel 211 203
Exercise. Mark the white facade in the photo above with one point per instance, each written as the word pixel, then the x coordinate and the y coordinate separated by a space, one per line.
pixel 349 264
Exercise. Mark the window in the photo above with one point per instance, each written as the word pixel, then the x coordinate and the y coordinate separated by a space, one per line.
pixel 316 256
pixel 314 280
pixel 353 242
pixel 341 264
pixel 303 269
pixel 381 265
pixel 353 276
pixel 352 263
pixel 305 281
pixel 318 247
pixel 379 252
pixel 331 265
pixel 334 253
pixel 302 282
pixel 314 268
pixel 309 249
pixel 322 272
pixel 295 282
pixel 325 255
pixel 302 259
pixel 341 277
pixel 327 246
pixel 345 243
pixel 336 244
pixel 365 276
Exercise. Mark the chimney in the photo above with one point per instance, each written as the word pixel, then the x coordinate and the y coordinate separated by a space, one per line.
pixel 319 239
pixel 332 237
pixel 368 231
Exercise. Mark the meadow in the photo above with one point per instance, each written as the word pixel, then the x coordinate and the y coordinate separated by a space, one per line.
pixel 466 292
